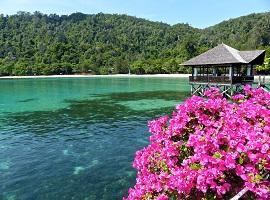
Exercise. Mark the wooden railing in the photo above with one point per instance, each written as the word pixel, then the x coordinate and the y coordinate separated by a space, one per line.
pixel 221 79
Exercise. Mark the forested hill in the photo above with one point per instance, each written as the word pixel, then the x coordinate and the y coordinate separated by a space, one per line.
pixel 34 44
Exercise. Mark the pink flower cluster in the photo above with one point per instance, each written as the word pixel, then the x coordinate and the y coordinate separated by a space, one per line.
pixel 211 148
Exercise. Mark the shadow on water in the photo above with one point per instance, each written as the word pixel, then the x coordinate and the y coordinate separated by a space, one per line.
pixel 27 100
pixel 103 109
pixel 83 151
pixel 166 95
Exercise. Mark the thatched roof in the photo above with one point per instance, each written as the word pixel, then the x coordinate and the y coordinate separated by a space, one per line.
pixel 226 55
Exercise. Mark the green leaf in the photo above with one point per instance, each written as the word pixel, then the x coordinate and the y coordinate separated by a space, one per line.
pixel 195 166
pixel 217 155
pixel 241 160
pixel 258 177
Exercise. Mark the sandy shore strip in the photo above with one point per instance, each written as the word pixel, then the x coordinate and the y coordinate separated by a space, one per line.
pixel 92 76
pixel 116 75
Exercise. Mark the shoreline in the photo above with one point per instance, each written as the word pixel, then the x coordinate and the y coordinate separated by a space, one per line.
pixel 94 76
pixel 256 78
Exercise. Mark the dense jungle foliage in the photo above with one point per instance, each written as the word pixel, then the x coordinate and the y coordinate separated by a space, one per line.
pixel 35 44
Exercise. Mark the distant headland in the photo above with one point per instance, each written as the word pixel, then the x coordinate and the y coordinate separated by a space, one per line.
pixel 40 44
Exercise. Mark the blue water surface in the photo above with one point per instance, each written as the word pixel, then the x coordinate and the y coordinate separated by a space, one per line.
pixel 75 138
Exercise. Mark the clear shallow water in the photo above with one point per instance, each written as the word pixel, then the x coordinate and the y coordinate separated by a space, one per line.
pixel 75 138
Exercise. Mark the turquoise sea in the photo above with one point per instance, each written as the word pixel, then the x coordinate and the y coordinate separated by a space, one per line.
pixel 75 138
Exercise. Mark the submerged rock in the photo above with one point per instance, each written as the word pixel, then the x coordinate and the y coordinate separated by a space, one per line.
pixel 78 170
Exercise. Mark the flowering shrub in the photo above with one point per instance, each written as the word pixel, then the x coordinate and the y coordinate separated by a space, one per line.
pixel 209 149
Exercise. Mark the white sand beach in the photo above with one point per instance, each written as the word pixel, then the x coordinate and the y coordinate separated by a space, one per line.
pixel 267 78
pixel 89 76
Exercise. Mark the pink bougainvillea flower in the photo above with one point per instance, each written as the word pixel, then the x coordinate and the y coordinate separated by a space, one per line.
pixel 210 148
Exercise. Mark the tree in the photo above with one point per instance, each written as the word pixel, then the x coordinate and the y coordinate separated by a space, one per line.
pixel 103 42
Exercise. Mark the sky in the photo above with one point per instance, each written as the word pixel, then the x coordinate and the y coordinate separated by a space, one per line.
pixel 197 13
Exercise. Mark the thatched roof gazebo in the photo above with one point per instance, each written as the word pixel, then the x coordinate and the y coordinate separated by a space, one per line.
pixel 224 67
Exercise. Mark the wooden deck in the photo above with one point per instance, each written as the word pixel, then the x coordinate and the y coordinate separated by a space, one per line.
pixel 221 79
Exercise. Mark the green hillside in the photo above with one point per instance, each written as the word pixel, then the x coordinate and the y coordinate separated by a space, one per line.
pixel 34 44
